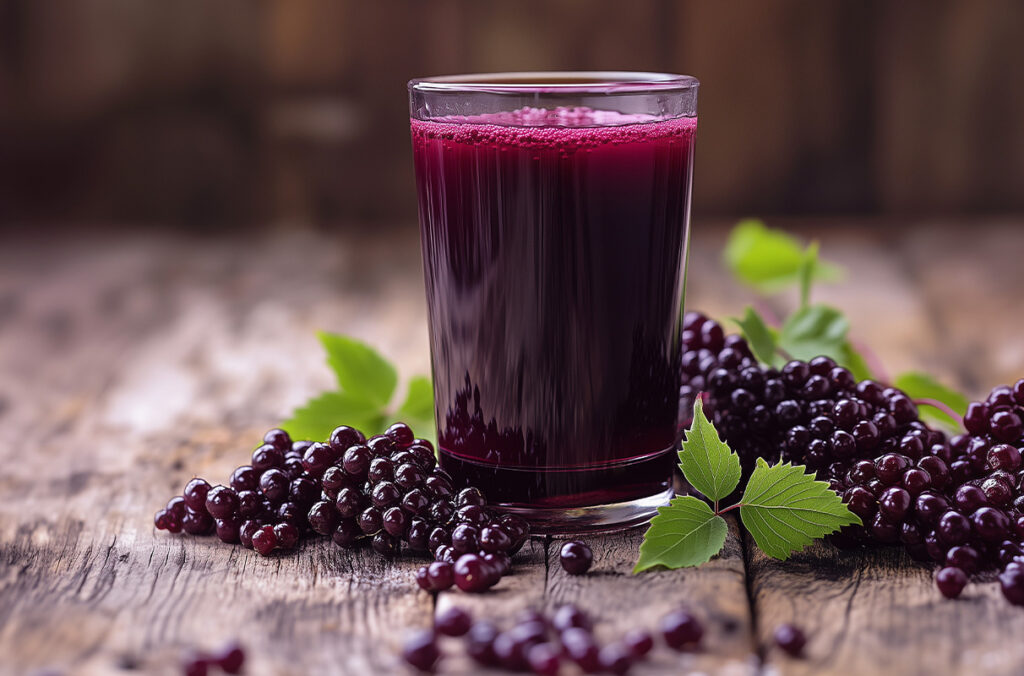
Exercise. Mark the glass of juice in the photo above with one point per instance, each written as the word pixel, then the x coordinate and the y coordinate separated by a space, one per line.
pixel 554 216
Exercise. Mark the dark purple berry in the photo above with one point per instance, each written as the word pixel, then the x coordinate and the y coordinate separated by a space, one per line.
pixel 420 650
pixel 953 529
pixel 264 540
pixel 349 502
pixel 465 539
pixel 287 535
pixel 569 616
pixel 195 494
pixel 681 630
pixel 991 524
pixel 422 580
pixel 616 657
pixel 274 485
pixel 381 469
pixel 344 437
pixel 580 647
pixel 441 575
pixel 395 521
pixel 639 643
pixel 197 523
pixel 227 529
pixel 950 581
pixel 385 545
pixel 385 494
pixel 453 622
pixel 356 460
pixel 380 446
pixel 969 498
pixel 323 518
pixel 370 520
pixel 964 558
pixel 543 659
pixel 336 478
pixel 790 639
pixel 267 457
pixel 893 504
pixel 415 502
pixel 576 557
pixel 470 575
pixel 470 496
pixel 318 458
pixel 245 478
pixel 279 439
pixel 400 434
pixel 1011 583
pixel 480 643
pixel 246 532
pixel 303 491
pixel 347 533
pixel 494 539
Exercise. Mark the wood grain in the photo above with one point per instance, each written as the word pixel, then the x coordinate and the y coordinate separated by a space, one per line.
pixel 128 362
pixel 878 612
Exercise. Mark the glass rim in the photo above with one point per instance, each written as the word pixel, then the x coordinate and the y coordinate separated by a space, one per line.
pixel 546 82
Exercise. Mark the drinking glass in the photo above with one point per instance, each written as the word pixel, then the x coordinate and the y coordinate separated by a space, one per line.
pixel 554 220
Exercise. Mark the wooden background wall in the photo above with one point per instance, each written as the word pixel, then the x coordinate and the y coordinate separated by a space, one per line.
pixel 232 112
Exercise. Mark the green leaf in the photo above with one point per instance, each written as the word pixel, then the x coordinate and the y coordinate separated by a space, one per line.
pixel 813 331
pixel 418 408
pixel 685 533
pixel 318 418
pixel 785 509
pixel 707 462
pixel 768 259
pixel 919 385
pixel 855 362
pixel 360 370
pixel 806 273
pixel 760 337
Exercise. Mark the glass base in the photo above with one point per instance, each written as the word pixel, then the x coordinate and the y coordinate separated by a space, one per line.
pixel 597 518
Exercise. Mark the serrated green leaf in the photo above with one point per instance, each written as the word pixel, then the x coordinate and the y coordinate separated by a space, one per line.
pixel 708 464
pixel 813 331
pixel 685 533
pixel 918 385
pixel 417 410
pixel 769 259
pixel 361 371
pixel 785 509
pixel 760 337
pixel 320 415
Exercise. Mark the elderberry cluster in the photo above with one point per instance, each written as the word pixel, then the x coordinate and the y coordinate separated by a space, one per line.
pixel 540 643
pixel 954 501
pixel 385 490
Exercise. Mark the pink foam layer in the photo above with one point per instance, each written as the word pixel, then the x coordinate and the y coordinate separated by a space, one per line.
pixel 534 127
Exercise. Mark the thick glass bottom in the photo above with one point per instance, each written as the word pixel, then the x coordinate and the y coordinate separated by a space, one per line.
pixel 611 496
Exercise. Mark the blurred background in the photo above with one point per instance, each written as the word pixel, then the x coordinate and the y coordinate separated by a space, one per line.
pixel 211 115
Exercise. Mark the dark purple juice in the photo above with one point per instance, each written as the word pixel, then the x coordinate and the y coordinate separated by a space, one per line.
pixel 554 272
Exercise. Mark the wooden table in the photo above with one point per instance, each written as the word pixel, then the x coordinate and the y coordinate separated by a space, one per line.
pixel 130 361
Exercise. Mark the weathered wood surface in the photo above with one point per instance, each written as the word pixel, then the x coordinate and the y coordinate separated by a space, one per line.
pixel 128 363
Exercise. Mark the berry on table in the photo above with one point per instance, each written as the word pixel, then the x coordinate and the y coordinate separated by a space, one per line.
pixel 681 630
pixel 420 650
pixel 576 557
pixel 790 639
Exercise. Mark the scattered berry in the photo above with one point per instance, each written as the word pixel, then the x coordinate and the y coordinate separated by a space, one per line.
pixel 950 581
pixel 576 557
pixel 681 630
pixel 790 639
pixel 421 651
pixel 453 622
